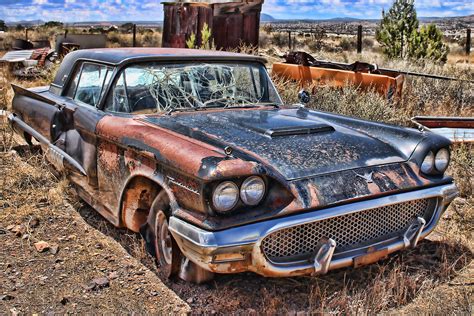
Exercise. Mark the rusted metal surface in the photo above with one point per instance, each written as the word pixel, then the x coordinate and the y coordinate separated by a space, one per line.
pixel 232 23
pixel 28 63
pixel 182 20
pixel 305 69
pixel 451 122
pixel 310 161
pixel 456 129
pixel 85 41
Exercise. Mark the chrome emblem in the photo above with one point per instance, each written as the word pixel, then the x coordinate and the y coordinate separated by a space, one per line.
pixel 367 177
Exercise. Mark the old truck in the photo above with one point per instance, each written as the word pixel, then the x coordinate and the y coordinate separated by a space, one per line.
pixel 196 151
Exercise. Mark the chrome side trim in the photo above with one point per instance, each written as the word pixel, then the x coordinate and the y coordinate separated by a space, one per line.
pixel 55 153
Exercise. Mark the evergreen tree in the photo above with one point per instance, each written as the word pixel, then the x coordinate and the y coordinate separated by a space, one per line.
pixel 428 43
pixel 3 26
pixel 397 27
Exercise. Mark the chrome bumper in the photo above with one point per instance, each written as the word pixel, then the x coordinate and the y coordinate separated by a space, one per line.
pixel 238 249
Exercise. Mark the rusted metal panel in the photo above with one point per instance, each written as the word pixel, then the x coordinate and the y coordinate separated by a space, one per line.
pixel 456 129
pixel 232 23
pixel 85 41
pixel 182 20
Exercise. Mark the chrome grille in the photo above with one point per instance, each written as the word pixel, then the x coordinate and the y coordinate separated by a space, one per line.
pixel 349 231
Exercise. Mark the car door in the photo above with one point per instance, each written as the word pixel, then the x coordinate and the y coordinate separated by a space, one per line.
pixel 81 115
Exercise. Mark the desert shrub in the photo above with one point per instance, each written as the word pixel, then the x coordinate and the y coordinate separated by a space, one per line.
pixel 347 44
pixel 279 39
pixel 462 168
pixel 315 40
pixel 367 43
pixel 151 39
pixel 206 38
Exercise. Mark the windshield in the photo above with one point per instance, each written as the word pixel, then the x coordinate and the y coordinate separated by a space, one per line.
pixel 157 87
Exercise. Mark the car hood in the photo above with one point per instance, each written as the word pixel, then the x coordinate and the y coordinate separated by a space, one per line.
pixel 296 143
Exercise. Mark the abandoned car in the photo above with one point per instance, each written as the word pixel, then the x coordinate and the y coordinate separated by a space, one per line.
pixel 195 150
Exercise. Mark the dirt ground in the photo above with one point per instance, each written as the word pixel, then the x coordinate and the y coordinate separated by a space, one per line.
pixel 90 266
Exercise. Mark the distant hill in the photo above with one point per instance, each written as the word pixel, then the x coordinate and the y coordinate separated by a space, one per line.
pixel 266 18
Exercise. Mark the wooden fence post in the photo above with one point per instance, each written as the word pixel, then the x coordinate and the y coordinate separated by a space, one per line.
pixel 359 39
pixel 289 40
pixel 468 42
pixel 134 41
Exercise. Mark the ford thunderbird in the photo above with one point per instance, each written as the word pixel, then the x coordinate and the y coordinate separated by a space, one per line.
pixel 196 151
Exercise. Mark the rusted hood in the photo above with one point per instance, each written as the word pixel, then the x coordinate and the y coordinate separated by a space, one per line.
pixel 297 143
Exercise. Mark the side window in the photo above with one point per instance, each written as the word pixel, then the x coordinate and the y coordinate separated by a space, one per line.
pixel 88 85
pixel 133 91
pixel 73 84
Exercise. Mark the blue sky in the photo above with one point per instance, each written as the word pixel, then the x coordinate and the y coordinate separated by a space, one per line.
pixel 139 10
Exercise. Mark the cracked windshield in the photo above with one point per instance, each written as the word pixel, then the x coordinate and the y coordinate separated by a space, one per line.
pixel 154 88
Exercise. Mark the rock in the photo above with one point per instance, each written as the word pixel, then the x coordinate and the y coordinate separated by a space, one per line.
pixel 190 300
pixel 113 275
pixel 34 223
pixel 18 230
pixel 10 227
pixel 99 283
pixel 41 246
pixel 6 297
pixel 99 245
pixel 54 249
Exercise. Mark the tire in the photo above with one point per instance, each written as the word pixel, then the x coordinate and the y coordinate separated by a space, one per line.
pixel 161 244
pixel 159 241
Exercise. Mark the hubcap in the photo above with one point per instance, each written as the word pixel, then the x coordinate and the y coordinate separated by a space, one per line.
pixel 165 241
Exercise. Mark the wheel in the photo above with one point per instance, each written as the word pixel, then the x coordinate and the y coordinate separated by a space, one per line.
pixel 161 244
pixel 158 239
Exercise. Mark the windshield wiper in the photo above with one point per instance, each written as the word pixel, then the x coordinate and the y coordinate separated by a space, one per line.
pixel 244 106
pixel 253 105
pixel 181 110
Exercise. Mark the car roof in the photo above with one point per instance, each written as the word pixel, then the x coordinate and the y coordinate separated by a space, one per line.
pixel 119 56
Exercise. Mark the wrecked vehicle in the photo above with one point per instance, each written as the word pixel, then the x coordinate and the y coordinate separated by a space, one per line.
pixel 305 69
pixel 195 150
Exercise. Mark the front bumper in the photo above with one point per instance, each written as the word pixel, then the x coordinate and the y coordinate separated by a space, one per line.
pixel 239 249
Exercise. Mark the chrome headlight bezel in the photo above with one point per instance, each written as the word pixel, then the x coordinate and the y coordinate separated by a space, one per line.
pixel 252 200
pixel 219 206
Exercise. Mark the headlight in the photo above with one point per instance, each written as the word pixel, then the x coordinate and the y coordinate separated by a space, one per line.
pixel 252 190
pixel 225 196
pixel 442 159
pixel 428 163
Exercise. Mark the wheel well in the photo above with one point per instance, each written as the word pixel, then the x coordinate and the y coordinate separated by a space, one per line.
pixel 136 202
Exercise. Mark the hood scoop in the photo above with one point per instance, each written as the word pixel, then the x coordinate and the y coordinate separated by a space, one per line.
pixel 287 126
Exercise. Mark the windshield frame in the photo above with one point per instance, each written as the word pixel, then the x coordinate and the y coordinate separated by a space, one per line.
pixel 120 70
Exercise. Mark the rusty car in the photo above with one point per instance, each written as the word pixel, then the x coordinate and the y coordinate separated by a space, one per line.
pixel 196 151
